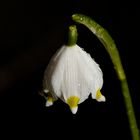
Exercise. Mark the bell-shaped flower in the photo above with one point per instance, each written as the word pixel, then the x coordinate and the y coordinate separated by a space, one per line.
pixel 72 75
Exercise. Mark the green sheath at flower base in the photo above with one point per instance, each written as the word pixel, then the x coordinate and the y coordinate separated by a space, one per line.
pixel 72 36
pixel 110 46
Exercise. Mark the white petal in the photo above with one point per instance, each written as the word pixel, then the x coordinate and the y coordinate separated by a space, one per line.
pixel 92 72
pixel 74 82
pixel 54 73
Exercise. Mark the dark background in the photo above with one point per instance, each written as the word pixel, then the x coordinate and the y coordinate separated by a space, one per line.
pixel 30 33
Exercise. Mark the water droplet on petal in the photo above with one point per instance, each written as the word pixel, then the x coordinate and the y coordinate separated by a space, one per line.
pixel 79 85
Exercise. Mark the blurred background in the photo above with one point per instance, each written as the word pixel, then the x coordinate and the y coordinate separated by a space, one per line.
pixel 30 33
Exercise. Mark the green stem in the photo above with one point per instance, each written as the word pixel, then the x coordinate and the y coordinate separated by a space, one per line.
pixel 111 48
pixel 72 36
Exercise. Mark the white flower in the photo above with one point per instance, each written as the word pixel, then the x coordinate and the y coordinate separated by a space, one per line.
pixel 72 75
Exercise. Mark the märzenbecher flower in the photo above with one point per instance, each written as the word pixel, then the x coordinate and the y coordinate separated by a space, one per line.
pixel 72 75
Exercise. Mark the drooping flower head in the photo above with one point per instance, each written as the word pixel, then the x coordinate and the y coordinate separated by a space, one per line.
pixel 72 75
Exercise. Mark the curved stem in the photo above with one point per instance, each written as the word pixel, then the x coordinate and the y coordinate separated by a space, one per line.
pixel 111 48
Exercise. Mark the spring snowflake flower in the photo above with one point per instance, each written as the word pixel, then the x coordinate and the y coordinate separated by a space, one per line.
pixel 72 75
